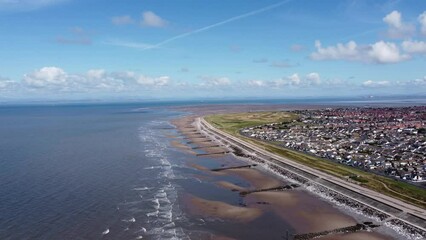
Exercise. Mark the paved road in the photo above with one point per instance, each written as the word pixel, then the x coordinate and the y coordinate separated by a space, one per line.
pixel 403 206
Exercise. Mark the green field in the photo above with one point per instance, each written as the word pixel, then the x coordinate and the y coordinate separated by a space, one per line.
pixel 233 123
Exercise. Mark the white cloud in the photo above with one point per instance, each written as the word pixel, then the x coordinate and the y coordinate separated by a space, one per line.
pixel 46 76
pixel 422 20
pixel 386 52
pixel 417 82
pixel 96 73
pixel 414 47
pixel 379 52
pixel 294 79
pixel 153 81
pixel 122 20
pixel 150 19
pixel 397 28
pixel 313 78
pixel 375 84
pixel 56 79
pixel 349 51
pixel 6 84
pixel 256 83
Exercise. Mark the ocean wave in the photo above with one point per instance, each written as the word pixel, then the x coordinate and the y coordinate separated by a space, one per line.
pixel 156 203
pixel 105 232
pixel 141 188
pixel 132 220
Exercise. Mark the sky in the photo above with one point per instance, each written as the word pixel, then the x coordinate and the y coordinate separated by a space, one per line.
pixel 181 49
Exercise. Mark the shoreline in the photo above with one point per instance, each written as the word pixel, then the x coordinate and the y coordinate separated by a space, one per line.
pixel 395 223
pixel 276 203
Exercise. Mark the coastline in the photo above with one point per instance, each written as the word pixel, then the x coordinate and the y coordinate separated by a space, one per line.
pixel 292 207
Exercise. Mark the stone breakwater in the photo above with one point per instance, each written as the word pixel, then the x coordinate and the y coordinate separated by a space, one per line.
pixel 308 182
pixel 351 229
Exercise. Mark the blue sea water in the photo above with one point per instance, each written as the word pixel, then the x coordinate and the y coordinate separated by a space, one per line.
pixel 86 172
pixel 103 172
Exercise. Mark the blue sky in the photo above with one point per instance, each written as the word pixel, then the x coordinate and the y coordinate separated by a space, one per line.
pixel 135 49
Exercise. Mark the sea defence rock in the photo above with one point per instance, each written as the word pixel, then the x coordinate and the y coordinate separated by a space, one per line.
pixel 350 229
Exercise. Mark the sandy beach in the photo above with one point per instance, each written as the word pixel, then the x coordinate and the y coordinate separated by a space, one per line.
pixel 255 178
pixel 356 236
pixel 216 209
pixel 305 212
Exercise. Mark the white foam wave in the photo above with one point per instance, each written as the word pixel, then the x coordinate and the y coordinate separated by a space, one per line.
pixel 129 220
pixel 105 232
pixel 141 188
pixel 153 167
pixel 153 214
pixel 401 231
pixel 163 196
pixel 156 203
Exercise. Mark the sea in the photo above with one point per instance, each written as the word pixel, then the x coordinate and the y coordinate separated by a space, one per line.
pixel 97 171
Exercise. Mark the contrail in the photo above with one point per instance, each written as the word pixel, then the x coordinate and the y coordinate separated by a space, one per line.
pixel 232 19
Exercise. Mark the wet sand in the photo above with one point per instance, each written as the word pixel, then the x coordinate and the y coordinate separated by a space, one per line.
pixel 257 179
pixel 305 213
pixel 356 236
pixel 216 209
pixel 182 147
pixel 230 186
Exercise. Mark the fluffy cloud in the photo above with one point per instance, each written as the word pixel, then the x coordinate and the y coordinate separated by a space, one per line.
pixel 422 21
pixel 153 81
pixel 256 83
pixel 417 82
pixel 379 52
pixel 54 78
pixel 294 80
pixel 122 20
pixel 47 76
pixel 386 52
pixel 349 51
pixel 6 84
pixel 414 47
pixel 150 19
pixel 375 84
pixel 313 78
pixel 96 73
pixel 397 28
